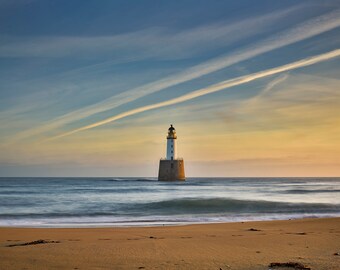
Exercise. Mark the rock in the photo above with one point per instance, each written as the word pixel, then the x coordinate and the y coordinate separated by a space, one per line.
pixel 36 242
pixel 254 230
pixel 295 265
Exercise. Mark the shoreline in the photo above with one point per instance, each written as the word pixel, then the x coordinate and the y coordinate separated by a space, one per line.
pixel 236 245
pixel 146 225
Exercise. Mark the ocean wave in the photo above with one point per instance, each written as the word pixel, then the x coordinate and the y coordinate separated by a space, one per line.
pixel 183 206
pixel 130 180
pixel 220 205
pixel 305 191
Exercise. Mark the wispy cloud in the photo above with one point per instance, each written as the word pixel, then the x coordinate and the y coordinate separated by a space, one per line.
pixel 302 31
pixel 301 105
pixel 151 42
pixel 211 89
pixel 268 88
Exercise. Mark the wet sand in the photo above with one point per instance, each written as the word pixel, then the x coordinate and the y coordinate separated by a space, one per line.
pixel 314 243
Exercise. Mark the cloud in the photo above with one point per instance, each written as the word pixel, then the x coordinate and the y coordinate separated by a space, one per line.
pixel 303 105
pixel 231 117
pixel 151 42
pixel 273 83
pixel 211 89
pixel 302 31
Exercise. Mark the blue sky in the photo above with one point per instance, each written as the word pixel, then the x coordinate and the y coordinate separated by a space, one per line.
pixel 89 88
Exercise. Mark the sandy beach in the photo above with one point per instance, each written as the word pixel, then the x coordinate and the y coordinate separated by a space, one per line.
pixel 314 243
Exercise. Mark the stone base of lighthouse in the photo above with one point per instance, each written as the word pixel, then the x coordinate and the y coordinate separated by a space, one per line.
pixel 171 170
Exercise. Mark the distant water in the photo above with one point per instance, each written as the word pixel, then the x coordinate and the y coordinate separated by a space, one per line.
pixel 90 202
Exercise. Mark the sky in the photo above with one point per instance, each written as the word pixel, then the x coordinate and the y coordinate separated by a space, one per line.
pixel 89 88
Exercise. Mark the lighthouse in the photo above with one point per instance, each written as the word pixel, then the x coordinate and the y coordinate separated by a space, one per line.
pixel 171 168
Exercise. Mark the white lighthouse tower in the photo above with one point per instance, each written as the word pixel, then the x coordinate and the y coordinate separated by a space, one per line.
pixel 171 168
pixel 171 146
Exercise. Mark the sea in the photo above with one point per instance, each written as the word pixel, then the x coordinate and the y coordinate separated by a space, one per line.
pixel 109 202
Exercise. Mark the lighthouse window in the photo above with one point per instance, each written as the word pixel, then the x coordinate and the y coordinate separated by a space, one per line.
pixel 172 146
pixel 172 152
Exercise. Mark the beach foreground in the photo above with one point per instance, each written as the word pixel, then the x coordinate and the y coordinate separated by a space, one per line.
pixel 250 245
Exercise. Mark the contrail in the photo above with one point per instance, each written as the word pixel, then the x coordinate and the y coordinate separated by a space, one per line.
pixel 211 89
pixel 302 31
